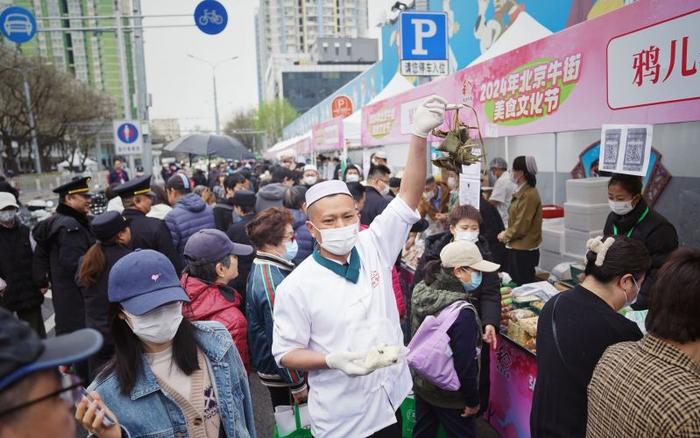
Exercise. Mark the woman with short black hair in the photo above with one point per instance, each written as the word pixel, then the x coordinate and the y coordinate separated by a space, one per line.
pixel 524 233
pixel 575 328
pixel 661 373
pixel 169 376
pixel 631 216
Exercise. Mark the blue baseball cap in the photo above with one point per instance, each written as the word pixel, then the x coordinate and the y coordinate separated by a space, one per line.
pixel 144 280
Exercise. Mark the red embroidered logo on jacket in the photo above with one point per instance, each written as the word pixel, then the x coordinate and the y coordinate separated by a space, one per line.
pixel 374 278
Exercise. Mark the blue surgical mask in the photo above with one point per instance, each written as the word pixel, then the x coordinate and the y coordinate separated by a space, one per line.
pixel 474 283
pixel 292 248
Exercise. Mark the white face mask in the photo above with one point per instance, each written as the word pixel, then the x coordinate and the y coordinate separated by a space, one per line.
pixel 310 180
pixel 8 216
pixel 385 190
pixel 469 236
pixel 157 326
pixel 352 178
pixel 631 302
pixel 621 207
pixel 451 182
pixel 428 195
pixel 339 241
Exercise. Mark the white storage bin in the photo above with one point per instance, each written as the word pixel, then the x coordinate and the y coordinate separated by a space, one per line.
pixel 575 241
pixel 553 238
pixel 549 259
pixel 585 217
pixel 587 191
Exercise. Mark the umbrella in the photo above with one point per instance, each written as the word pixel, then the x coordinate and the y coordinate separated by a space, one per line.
pixel 222 146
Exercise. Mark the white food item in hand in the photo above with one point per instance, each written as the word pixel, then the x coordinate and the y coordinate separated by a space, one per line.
pixel 382 356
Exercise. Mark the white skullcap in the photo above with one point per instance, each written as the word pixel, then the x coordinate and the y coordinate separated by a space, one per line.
pixel 531 164
pixel 380 154
pixel 326 188
pixel 310 167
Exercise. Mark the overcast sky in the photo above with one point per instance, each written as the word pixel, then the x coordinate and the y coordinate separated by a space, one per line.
pixel 181 87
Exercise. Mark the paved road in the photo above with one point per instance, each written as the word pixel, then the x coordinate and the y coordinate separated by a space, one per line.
pixel 262 407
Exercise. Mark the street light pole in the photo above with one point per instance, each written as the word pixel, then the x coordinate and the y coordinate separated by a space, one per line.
pixel 213 67
pixel 32 125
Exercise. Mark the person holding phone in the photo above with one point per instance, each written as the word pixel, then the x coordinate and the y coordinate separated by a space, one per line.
pixel 169 376
pixel 35 398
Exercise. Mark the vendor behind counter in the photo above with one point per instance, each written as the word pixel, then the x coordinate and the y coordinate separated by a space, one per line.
pixel 632 217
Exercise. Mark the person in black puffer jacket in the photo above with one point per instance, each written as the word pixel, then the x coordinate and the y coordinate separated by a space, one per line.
pixel 465 223
pixel 21 295
pixel 632 217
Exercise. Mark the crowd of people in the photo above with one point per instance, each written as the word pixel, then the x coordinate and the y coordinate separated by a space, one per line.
pixel 168 301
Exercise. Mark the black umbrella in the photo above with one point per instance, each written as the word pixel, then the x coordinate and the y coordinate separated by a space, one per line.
pixel 209 145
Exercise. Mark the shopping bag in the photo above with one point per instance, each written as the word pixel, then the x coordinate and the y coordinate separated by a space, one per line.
pixel 289 424
pixel 408 418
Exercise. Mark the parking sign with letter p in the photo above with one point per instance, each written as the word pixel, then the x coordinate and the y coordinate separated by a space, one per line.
pixel 423 38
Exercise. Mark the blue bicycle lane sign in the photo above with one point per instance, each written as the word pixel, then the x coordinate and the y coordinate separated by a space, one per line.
pixel 17 24
pixel 210 17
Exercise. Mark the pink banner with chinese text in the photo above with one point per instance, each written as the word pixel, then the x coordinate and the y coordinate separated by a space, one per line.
pixel 328 135
pixel 637 64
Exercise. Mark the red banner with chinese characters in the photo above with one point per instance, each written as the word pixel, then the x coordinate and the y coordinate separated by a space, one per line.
pixel 638 64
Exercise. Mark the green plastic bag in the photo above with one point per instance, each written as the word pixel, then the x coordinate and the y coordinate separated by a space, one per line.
pixel 301 432
pixel 408 419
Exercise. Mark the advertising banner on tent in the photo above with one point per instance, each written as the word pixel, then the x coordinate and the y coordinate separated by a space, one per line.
pixel 571 80
pixel 328 135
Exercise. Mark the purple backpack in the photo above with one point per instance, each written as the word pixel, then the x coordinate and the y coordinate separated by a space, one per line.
pixel 430 354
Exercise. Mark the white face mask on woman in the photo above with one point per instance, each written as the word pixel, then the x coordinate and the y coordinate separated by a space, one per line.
pixel 469 236
pixel 621 207
pixel 157 326
pixel 339 241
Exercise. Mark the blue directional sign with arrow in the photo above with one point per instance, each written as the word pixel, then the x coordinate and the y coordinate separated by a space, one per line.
pixel 210 17
pixel 17 24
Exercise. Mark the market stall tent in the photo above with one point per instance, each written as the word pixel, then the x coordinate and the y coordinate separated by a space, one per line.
pixel 353 123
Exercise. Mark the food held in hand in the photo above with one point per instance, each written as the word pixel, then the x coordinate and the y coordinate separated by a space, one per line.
pixel 382 356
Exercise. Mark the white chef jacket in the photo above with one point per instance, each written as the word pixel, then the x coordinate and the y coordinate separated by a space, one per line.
pixel 319 310
pixel 502 192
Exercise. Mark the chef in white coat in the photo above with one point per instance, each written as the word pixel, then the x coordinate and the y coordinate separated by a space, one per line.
pixel 338 305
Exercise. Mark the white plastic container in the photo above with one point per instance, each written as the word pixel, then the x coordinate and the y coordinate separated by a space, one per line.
pixel 549 259
pixel 585 217
pixel 553 238
pixel 575 241
pixel 587 191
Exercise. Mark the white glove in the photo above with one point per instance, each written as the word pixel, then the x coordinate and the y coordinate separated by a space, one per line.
pixel 351 364
pixel 428 116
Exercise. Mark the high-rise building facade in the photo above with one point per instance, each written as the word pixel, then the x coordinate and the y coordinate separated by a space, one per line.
pixel 287 31
pixel 92 56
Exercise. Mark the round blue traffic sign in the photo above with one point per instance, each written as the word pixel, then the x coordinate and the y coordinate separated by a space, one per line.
pixel 210 17
pixel 17 24
pixel 127 133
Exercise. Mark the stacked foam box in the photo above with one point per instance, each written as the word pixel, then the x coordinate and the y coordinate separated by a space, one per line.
pixel 585 211
pixel 552 243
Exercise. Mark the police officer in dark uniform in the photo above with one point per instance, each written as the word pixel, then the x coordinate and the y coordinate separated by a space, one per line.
pixel 61 240
pixel 146 232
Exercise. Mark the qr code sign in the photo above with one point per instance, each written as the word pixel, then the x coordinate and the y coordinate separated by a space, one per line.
pixel 612 146
pixel 634 149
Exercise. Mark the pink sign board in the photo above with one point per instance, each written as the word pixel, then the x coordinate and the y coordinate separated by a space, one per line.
pixel 638 64
pixel 513 372
pixel 328 135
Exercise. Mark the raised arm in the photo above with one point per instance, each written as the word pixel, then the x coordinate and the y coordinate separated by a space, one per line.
pixel 428 116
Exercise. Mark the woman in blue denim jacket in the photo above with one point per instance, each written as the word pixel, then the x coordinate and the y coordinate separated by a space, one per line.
pixel 169 377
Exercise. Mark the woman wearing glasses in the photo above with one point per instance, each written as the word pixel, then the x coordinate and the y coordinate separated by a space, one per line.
pixel 169 376
pixel 272 235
